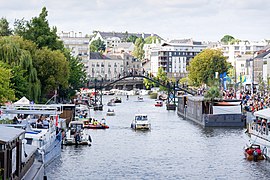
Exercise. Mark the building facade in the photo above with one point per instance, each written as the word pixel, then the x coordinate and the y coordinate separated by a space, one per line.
pixel 174 57
pixel 76 43
pixel 111 66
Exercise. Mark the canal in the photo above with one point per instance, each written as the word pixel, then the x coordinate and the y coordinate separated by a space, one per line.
pixel 173 149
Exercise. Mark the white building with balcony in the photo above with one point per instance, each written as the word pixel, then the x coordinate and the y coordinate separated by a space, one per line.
pixel 76 43
pixel 174 56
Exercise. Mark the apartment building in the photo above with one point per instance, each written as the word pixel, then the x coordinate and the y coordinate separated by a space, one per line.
pixel 174 56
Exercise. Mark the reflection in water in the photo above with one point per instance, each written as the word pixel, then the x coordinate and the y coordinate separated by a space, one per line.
pixel 173 149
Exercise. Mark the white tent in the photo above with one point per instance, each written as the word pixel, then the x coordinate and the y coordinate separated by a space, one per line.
pixel 23 100
pixel 265 113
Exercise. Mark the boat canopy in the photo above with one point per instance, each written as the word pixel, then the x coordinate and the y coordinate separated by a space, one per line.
pixel 264 113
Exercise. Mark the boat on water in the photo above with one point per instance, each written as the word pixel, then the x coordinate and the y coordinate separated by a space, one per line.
pixel 77 135
pixel 111 103
pixel 110 112
pixel 258 131
pixel 140 98
pixel 17 159
pixel 253 153
pixel 159 103
pixel 94 124
pixel 44 129
pixel 140 121
pixel 117 100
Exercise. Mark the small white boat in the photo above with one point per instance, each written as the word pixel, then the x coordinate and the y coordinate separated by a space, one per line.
pixel 140 98
pixel 140 121
pixel 110 112
pixel 111 103
pixel 77 135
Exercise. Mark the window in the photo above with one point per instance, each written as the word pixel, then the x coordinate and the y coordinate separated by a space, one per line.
pixel 236 48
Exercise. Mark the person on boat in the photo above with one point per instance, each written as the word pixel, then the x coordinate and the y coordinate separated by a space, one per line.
pixel 103 121
pixel 85 115
pixel 15 120
pixel 127 96
pixel 39 123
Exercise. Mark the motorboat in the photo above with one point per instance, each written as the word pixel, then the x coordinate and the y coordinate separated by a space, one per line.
pixel 159 103
pixel 140 98
pixel 253 153
pixel 110 112
pixel 140 121
pixel 77 135
pixel 118 100
pixel 258 130
pixel 94 124
pixel 46 132
pixel 111 103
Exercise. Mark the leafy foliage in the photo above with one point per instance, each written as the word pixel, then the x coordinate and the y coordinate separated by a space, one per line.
pixel 226 39
pixel 203 67
pixel 38 31
pixel 58 72
pixel 4 27
pixel 152 39
pixel 132 38
pixel 6 91
pixel 138 50
pixel 17 54
pixel 97 46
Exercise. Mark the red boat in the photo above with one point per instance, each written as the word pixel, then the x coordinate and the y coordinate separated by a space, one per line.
pixel 97 125
pixel 159 103
pixel 254 153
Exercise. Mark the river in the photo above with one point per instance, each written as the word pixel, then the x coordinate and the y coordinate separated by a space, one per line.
pixel 173 149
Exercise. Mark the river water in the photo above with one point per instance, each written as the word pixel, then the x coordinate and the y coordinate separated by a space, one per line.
pixel 173 149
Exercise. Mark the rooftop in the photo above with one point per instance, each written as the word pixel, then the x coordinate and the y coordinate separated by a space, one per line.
pixel 8 134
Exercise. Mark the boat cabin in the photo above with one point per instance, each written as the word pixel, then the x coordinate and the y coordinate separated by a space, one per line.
pixel 15 160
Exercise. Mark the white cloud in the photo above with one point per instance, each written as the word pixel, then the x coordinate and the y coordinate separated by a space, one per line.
pixel 198 19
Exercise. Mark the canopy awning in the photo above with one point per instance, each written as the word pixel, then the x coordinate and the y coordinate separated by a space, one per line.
pixel 264 113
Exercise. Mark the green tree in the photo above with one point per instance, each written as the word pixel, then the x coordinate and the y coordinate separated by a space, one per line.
pixel 52 68
pixel 226 39
pixel 6 91
pixel 4 27
pixel 152 39
pixel 77 76
pixel 97 46
pixel 38 31
pixel 203 67
pixel 132 38
pixel 138 50
pixel 17 54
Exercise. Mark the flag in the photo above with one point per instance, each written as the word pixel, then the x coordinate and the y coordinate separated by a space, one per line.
pixel 56 120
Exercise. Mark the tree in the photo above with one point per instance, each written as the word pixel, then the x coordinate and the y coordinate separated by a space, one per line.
pixel 6 91
pixel 203 67
pixel 56 75
pixel 77 76
pixel 226 39
pixel 4 27
pixel 152 39
pixel 17 54
pixel 138 50
pixel 97 46
pixel 132 38
pixel 38 31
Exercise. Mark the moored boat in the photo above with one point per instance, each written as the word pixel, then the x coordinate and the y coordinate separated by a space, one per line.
pixel 140 121
pixel 253 153
pixel 259 131
pixel 140 98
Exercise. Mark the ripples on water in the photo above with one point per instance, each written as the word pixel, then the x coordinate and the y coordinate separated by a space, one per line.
pixel 173 149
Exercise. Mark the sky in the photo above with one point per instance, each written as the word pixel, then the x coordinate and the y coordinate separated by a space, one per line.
pixel 202 20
